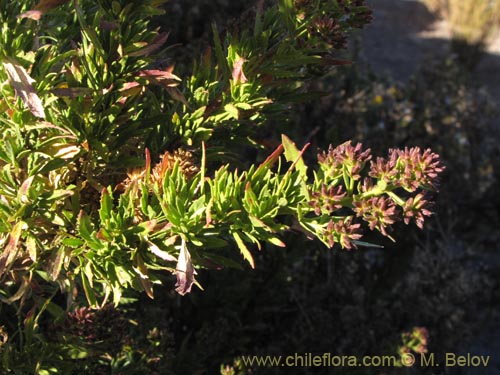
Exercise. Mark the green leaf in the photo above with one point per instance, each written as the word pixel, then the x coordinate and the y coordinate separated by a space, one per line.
pixel 87 32
pixel 244 250
pixel 232 110
pixel 276 241
pixel 198 113
pixel 85 227
pixel 144 200
pixel 53 165
pixel 57 195
pixel 286 10
pixel 243 106
pixel 77 352
pixel 106 205
pixel 89 292
pixel 213 242
pixel 293 155
pixel 219 53
pixel 257 223
pixel 222 261
pixel 56 311
pixel 116 7
pixel 395 197
pixel 73 242
pixel 367 244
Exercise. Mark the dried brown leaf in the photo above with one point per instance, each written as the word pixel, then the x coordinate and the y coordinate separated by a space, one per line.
pixel 157 42
pixel 41 8
pixel 163 78
pixel 33 14
pixel 184 271
pixel 20 80
pixel 55 265
pixel 9 253
pixel 72 92
pixel 128 90
pixel 176 94
pixel 143 275
pixel 108 25
pixel 238 75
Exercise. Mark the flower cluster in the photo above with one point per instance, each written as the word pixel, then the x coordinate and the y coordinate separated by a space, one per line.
pixel 390 190
pixel 330 31
pixel 416 208
pixel 327 200
pixel 416 341
pixel 409 168
pixel 384 169
pixel 419 167
pixel 379 212
pixel 343 232
pixel 346 157
pixel 329 27
pixel 167 161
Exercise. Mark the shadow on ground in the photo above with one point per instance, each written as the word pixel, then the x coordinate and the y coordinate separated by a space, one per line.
pixel 404 34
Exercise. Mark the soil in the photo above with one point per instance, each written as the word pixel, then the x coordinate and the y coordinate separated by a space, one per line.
pixel 404 33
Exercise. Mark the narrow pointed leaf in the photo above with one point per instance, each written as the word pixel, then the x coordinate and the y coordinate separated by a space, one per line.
pixel 276 241
pixel 143 275
pixel 244 249
pixel 157 42
pixel 89 293
pixel 161 253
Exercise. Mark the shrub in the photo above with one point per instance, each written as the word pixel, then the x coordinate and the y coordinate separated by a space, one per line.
pixel 115 171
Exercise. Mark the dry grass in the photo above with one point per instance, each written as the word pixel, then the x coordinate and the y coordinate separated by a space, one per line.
pixel 474 21
pixel 435 6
